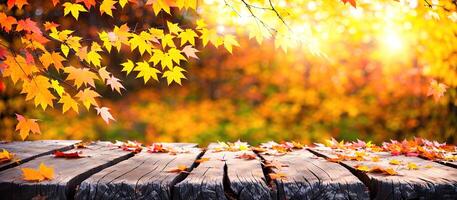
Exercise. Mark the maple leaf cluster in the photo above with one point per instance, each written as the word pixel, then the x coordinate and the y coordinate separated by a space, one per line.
pixel 69 76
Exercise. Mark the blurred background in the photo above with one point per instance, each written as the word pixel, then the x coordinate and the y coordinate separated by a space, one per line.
pixel 368 80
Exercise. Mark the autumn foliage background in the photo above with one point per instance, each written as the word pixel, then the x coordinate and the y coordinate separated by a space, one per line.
pixel 360 74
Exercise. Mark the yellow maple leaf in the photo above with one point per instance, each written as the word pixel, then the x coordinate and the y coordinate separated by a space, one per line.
pixel 394 162
pixel 68 102
pixel 200 24
pixel 141 41
pixel 412 166
pixel 146 71
pixel 73 8
pixel 175 75
pixel 176 55
pixel 65 49
pixel 107 6
pixel 93 57
pixel 173 28
pixel 57 87
pixel 128 66
pixel 25 126
pixel 188 35
pixel 158 5
pixel 363 168
pixel 5 156
pixel 167 40
pixel 186 4
pixel 123 2
pixel 375 158
pixel 229 42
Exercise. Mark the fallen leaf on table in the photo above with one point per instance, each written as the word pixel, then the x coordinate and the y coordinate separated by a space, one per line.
pixel 412 166
pixel 75 154
pixel 43 172
pixel 157 148
pixel 246 156
pixel 394 162
pixel 135 147
pixel 258 149
pixel 275 164
pixel 179 169
pixel 81 145
pixel 201 160
pixel 375 158
pixel 5 156
pixel 390 171
pixel 276 176
pixel 362 168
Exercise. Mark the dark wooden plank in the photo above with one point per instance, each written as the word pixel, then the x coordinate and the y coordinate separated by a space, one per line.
pixel 430 181
pixel 245 177
pixel 310 177
pixel 225 176
pixel 27 150
pixel 68 173
pixel 204 182
pixel 144 176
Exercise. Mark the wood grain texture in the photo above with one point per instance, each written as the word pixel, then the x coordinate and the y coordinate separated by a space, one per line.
pixel 431 181
pixel 27 150
pixel 144 176
pixel 204 182
pixel 246 178
pixel 224 176
pixel 311 177
pixel 68 173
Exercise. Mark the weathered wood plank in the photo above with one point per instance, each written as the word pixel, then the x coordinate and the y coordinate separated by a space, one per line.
pixel 68 173
pixel 27 150
pixel 204 182
pixel 144 176
pixel 246 177
pixel 310 177
pixel 224 176
pixel 430 181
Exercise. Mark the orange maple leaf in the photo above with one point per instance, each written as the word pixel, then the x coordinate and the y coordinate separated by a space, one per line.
pixel 43 172
pixel 436 90
pixel 179 169
pixel 6 22
pixel 18 3
pixel 276 176
pixel 25 126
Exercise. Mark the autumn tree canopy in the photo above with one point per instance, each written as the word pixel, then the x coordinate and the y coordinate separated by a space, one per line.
pixel 68 56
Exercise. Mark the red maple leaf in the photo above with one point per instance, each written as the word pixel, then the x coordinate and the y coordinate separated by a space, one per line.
pixel 352 2
pixel 28 26
pixel 59 154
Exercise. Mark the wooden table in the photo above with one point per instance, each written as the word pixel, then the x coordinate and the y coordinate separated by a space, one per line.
pixel 108 172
